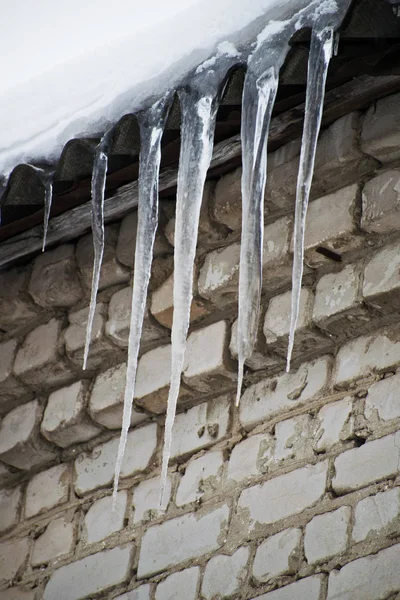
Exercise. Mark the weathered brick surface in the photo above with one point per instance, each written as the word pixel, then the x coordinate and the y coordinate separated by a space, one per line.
pixel 278 555
pixel 225 575
pixel 102 519
pixel 16 307
pixel 218 277
pixel 380 134
pixel 13 555
pixel 380 198
pixel 90 575
pixel 202 476
pixel 305 589
pixel 250 457
pixel 382 399
pixel 381 280
pixel 47 489
pixel 140 593
pixel 126 245
pixel 261 358
pixel 10 500
pixel 180 586
pixel 65 421
pixel 181 539
pixel 21 445
pixel 146 499
pixel 335 423
pixel 54 282
pixel 56 541
pixel 377 515
pixel 327 535
pixel 75 337
pixel 12 391
pixel 162 304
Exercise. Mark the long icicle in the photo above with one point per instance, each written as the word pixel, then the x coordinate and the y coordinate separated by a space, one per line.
pixel 322 41
pixel 98 190
pixel 151 124
pixel 48 199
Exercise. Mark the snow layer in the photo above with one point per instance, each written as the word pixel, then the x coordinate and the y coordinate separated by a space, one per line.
pixel 77 67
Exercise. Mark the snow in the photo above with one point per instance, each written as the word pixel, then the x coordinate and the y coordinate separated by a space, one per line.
pixel 78 67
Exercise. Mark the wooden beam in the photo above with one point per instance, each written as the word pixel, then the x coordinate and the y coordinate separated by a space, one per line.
pixel 354 95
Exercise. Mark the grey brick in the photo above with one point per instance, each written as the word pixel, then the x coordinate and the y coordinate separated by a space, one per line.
pixel 380 136
pixel 304 589
pixel 47 489
pixel 376 514
pixel 380 203
pixel 146 499
pixel 56 541
pixel 278 555
pixel 202 476
pixel 179 586
pixel 326 535
pixel 225 575
pixel 381 280
pixel 382 398
pixel 10 500
pixel 102 519
pixel 13 555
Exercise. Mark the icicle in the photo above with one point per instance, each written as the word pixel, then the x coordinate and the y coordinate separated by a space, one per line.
pixel 48 198
pixel 151 124
pixel 98 189
pixel 199 104
pixel 321 48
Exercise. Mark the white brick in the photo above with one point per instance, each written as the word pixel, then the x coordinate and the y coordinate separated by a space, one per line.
pixel 380 203
pixel 200 426
pixel 38 362
pixel 226 205
pixel 98 469
pixel 278 555
pixel 162 304
pixel 383 398
pixel 250 457
pixel 381 279
pixel 56 541
pixel 90 575
pixel 371 462
pixel 13 555
pixel 16 307
pixel 367 354
pixel 10 500
pixel 146 499
pixel 11 389
pixel 293 439
pixel 75 337
pixel 259 359
pixel 103 520
pixel 17 594
pixel 181 539
pixel 202 476
pixel 305 589
pixel 126 245
pixel 140 593
pixel 278 394
pixel 335 423
pixel 218 276
pixel 208 365
pixel 21 445
pixel 65 421
pixel 369 578
pixel 225 575
pixel 119 317
pixel 107 399
pixel 179 586
pixel 326 535
pixel 380 135
pixel 372 515
pixel 283 496
pixel 47 490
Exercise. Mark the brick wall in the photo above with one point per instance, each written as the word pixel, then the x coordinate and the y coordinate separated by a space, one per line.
pixel 295 494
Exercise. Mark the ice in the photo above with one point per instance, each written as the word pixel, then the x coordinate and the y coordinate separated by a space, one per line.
pixel 151 125
pixel 46 177
pixel 98 189
pixel 199 103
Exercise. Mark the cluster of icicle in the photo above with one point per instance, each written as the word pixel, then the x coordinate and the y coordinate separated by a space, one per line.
pixel 199 100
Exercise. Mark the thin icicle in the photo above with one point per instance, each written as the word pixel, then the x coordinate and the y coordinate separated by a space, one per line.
pixel 48 199
pixel 151 124
pixel 98 189
pixel 322 42
pixel 199 104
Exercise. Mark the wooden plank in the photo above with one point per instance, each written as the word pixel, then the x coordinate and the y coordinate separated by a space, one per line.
pixel 356 94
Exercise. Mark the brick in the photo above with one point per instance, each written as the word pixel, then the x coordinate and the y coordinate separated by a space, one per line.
pixel 283 496
pixel 382 399
pixel 365 355
pixel 293 439
pixel 65 421
pixel 338 307
pixel 225 575
pixel 260 358
pixel 38 361
pixel 200 426
pixel 162 304
pixel 112 272
pixel 75 337
pixel 140 593
pixel 146 499
pixel 97 469
pixel 17 594
pixel 381 280
pixel 6 474
pixel 376 515
pixel 371 462
pixel 126 245
pixel 180 540
pixel 102 520
pixel 107 399
pixel 278 555
pixel 208 366
pixel 119 316
pixel 13 555
pixel 368 578
pixel 218 277
pixel 380 136
pixel 202 476
pixel 380 203
pixel 56 541
pixel 21 445
pixel 90 575
pixel 326 535
pixel 226 206
pixel 11 389
pixel 16 308
pixel 55 282
pixel 275 395
pixel 47 489
pixel 10 500
pixel 335 423
pixel 250 458
pixel 304 589
pixel 179 586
